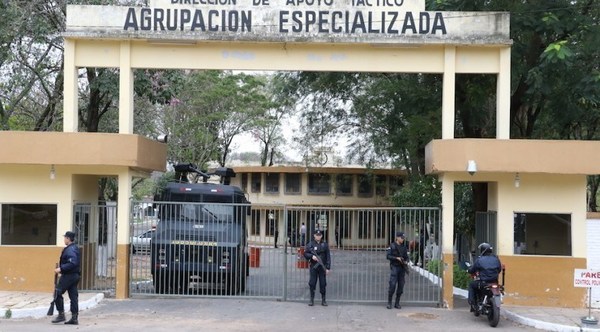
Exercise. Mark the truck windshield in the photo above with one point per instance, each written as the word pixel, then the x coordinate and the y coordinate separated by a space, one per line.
pixel 197 212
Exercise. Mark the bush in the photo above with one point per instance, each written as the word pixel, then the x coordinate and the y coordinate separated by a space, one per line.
pixel 461 277
pixel 435 266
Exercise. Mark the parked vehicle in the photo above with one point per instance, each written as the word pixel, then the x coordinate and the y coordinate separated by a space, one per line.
pixel 201 236
pixel 141 242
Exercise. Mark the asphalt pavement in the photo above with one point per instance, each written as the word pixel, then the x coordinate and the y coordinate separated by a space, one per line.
pixel 26 311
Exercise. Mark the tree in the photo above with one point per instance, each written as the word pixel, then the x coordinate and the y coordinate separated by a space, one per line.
pixel 266 128
pixel 204 120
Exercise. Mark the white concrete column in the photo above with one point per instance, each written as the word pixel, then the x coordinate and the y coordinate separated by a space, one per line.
pixel 70 91
pixel 448 92
pixel 123 213
pixel 448 238
pixel 123 234
pixel 503 95
pixel 125 90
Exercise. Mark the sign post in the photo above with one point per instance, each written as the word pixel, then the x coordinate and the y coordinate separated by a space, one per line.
pixel 589 279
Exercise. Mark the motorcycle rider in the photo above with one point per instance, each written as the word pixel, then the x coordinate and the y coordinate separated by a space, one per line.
pixel 488 267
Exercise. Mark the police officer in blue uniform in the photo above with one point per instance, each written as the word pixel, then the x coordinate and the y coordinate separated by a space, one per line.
pixel 70 271
pixel 397 254
pixel 317 253
pixel 488 267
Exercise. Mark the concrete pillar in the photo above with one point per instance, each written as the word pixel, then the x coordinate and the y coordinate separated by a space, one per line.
pixel 123 236
pixel 70 89
pixel 448 92
pixel 503 95
pixel 448 238
pixel 125 90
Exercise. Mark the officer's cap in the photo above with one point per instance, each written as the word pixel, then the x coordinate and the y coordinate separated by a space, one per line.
pixel 317 232
pixel 70 235
pixel 400 234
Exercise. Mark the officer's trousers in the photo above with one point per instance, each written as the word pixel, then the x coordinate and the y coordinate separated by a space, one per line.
pixel 396 279
pixel 68 283
pixel 317 272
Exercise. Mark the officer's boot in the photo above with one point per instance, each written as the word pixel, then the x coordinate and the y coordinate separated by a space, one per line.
pixel 389 306
pixel 397 304
pixel 73 320
pixel 323 301
pixel 312 298
pixel 60 317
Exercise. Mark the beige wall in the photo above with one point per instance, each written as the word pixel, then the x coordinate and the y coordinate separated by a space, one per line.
pixel 541 193
pixel 543 281
pixel 538 193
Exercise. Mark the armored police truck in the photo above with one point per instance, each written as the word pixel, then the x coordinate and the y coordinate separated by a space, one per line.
pixel 201 239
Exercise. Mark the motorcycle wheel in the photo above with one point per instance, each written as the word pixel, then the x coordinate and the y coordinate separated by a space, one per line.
pixel 494 315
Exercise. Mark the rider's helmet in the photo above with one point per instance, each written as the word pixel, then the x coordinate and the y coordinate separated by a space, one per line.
pixel 485 248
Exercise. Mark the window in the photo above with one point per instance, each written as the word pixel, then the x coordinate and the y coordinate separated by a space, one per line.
pixel 343 185
pixel 272 183
pixel 396 182
pixel 344 220
pixel 256 182
pixel 542 234
pixel 292 183
pixel 380 185
pixel 318 183
pixel 365 185
pixel 379 224
pixel 255 225
pixel 29 224
pixel 364 225
pixel 271 222
pixel 245 182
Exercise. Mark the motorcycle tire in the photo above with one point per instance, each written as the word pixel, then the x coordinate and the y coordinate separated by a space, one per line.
pixel 494 315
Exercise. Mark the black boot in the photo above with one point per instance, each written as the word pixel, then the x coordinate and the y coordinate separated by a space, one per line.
pixel 60 317
pixel 323 301
pixel 389 306
pixel 397 304
pixel 312 299
pixel 73 320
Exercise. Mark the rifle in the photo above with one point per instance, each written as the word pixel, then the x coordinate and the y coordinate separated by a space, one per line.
pixel 404 265
pixel 54 296
pixel 319 263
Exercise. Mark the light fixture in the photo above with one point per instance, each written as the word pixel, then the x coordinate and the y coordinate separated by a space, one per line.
pixel 471 167
pixel 517 180
pixel 52 173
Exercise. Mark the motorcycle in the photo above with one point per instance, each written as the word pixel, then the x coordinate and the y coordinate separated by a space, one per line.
pixel 489 299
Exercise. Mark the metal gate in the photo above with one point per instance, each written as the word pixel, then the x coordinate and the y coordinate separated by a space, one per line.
pixel 96 229
pixel 275 267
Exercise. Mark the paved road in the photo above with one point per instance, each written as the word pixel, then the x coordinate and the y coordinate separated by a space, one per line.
pixel 218 314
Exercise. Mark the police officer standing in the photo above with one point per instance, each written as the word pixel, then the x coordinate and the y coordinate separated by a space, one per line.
pixel 69 270
pixel 397 254
pixel 317 253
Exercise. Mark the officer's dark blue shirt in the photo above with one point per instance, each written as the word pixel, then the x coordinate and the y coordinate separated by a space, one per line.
pixel 70 259
pixel 397 250
pixel 320 249
pixel 488 267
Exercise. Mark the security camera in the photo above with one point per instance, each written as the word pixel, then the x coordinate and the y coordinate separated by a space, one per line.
pixel 472 167
pixel 162 138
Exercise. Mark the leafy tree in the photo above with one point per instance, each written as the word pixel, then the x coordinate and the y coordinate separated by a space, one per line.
pixel 204 120
pixel 266 128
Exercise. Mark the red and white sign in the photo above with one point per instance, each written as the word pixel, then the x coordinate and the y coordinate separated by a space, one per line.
pixel 586 278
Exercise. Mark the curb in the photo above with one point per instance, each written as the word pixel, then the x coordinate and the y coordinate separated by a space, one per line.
pixel 40 312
